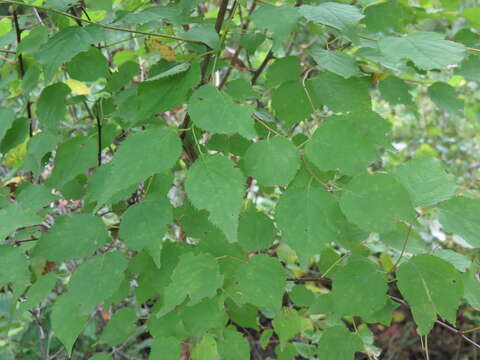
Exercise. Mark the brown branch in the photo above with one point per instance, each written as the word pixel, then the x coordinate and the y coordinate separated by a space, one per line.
pixel 6 51
pixel 262 66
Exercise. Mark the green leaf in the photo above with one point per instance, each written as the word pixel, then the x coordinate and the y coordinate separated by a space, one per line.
pixel 8 116
pixel 428 50
pixel 337 343
pixel 38 291
pixel 168 348
pixel 430 285
pixel 460 261
pixel 281 21
pixel 395 91
pixel 339 16
pixel 307 218
pixel 215 111
pixel 88 65
pixel 469 68
pixel 384 16
pixel 100 356
pixel 35 39
pixel 67 43
pixel 39 145
pixel 376 202
pixel 51 106
pixel 347 143
pixel 255 231
pixel 273 161
pixel 195 276
pixel 359 288
pixel 141 155
pixel 287 324
pixel 213 184
pixel 144 224
pixel 233 346
pixel 290 103
pixel 283 70
pixel 71 237
pixel 15 216
pixel 472 15
pixel 335 61
pixel 261 282
pixel 425 180
pixel 341 95
pixel 119 327
pixel 16 135
pixel 209 314
pixel 96 280
pixel 472 288
pixel 204 33
pixel 13 266
pixel 67 322
pixel 75 156
pixel 206 349
pixel 445 97
pixel 460 216
pixel 34 197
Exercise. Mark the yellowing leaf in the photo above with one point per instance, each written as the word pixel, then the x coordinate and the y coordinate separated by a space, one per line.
pixel 157 44
pixel 14 157
pixel 77 87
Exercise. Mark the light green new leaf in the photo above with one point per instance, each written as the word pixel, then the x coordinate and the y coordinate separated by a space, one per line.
pixel 75 156
pixel 13 266
pixel 15 216
pixel 215 111
pixel 339 16
pixel 341 95
pixel 428 50
pixel 71 237
pixel 376 202
pixel 141 155
pixel 195 276
pixel 121 325
pixel 287 324
pixel 307 218
pixel 255 231
pixel 145 223
pixel 206 349
pixel 430 285
pixel 395 91
pixel 213 184
pixel 337 343
pixel 261 282
pixel 166 348
pixel 425 180
pixel 335 61
pixel 461 216
pixel 347 142
pixel 67 321
pixel 359 288
pixel 67 43
pixel 273 161
pixel 51 106
pixel 233 346
pixel 445 97
pixel 96 280
pixel 290 103
pixel 281 21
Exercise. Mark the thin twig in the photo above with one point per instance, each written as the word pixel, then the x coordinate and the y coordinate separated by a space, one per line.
pixel 6 51
pixel 404 247
pixel 262 66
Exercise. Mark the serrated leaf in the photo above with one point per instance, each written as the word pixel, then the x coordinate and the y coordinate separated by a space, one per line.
pixel 282 70
pixel 376 202
pixel 39 145
pixel 445 97
pixel 290 103
pixel 195 276
pixel 347 143
pixel 15 216
pixel 273 161
pixel 233 346
pixel 119 327
pixel 71 237
pixel 460 216
pixel 168 348
pixel 141 155
pixel 51 106
pixel 337 343
pixel 34 197
pixel 287 324
pixel 8 116
pixel 472 288
pixel 261 282
pixel 395 91
pixel 335 61
pixel 13 266
pixel 339 16
pixel 38 291
pixel 359 288
pixel 428 50
pixel 430 285
pixel 213 184
pixel 206 349
pixel 88 65
pixel 215 111
pixel 307 218
pixel 255 231
pixel 425 180
pixel 204 33
pixel 145 223
pixel 341 95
